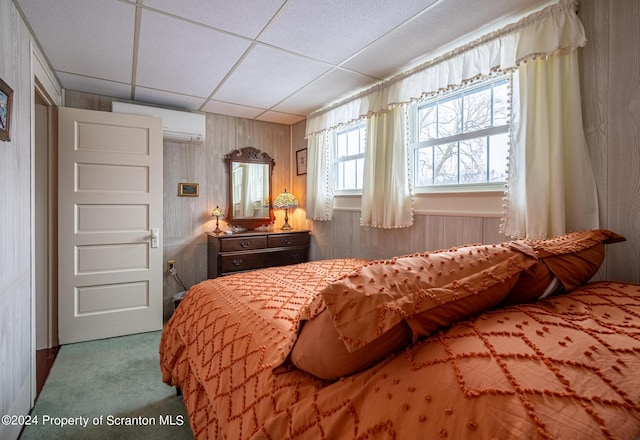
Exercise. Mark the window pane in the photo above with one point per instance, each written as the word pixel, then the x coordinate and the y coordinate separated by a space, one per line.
pixel 342 144
pixel 498 157
pixel 477 109
pixel 339 175
pixel 501 103
pixel 446 164
pixel 450 117
pixel 427 122
pixel 353 142
pixel 424 168
pixel 349 174
pixel 359 173
pixel 473 160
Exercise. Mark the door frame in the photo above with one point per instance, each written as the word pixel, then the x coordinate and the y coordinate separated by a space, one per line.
pixel 47 86
pixel 45 214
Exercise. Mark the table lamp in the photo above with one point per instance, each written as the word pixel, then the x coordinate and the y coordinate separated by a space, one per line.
pixel 285 200
pixel 217 213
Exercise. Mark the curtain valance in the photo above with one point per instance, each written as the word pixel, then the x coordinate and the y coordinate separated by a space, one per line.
pixel 553 30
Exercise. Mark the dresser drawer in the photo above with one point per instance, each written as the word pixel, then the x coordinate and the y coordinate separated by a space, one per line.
pixel 287 240
pixel 237 263
pixel 243 243
pixel 283 258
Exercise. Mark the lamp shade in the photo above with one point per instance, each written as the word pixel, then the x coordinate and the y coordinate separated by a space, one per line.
pixel 285 200
pixel 217 212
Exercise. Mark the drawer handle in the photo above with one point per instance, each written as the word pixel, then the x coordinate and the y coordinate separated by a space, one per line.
pixel 295 256
pixel 288 241
pixel 244 244
pixel 237 262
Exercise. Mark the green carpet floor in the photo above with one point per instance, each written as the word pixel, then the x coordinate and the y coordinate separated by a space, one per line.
pixel 108 385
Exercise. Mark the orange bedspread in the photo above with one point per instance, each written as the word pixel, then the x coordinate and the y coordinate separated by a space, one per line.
pixel 565 367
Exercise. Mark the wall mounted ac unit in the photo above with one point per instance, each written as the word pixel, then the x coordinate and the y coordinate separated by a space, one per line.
pixel 177 126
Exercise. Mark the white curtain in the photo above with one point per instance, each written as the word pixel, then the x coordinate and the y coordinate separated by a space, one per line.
pixel 551 188
pixel 386 189
pixel 319 197
pixel 547 143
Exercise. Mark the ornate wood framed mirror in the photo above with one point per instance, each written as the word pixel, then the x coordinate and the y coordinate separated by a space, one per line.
pixel 249 172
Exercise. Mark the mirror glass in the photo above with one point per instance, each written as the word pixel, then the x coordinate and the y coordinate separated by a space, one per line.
pixel 250 189
pixel 249 172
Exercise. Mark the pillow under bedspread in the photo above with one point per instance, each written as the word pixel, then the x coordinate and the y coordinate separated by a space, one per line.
pixel 566 367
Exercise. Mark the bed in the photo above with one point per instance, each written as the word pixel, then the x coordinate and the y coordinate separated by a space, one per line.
pixel 481 342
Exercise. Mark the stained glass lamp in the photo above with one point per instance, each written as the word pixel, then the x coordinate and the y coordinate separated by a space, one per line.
pixel 286 201
pixel 217 213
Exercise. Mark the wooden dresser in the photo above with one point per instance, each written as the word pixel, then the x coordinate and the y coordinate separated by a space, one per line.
pixel 230 253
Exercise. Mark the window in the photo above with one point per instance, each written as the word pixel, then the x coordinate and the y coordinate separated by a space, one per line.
pixel 349 158
pixel 462 138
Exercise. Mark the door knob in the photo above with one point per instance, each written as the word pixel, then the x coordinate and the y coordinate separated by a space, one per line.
pixel 155 235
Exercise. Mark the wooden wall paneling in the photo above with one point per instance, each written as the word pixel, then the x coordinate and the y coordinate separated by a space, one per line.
pixel 609 84
pixel 434 230
pixel 491 231
pixel 623 165
pixel 15 225
pixel 344 237
pixel 298 183
pixel 462 231
pixel 87 101
pixel 215 174
pixel 319 239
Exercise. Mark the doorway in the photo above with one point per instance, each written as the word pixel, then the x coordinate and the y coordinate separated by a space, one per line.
pixel 45 235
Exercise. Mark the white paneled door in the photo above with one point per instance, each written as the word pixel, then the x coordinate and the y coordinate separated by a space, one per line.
pixel 109 228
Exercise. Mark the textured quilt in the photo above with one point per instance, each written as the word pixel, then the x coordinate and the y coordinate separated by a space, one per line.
pixel 566 367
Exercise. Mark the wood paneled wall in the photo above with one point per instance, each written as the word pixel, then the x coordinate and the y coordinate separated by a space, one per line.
pixel 15 225
pixel 610 84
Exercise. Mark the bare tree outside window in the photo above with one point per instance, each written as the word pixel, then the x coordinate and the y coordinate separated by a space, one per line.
pixel 463 136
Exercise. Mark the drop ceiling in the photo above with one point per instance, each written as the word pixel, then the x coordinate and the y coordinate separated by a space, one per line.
pixel 270 60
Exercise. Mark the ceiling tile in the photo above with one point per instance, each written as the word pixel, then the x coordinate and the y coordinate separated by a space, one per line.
pixel 449 27
pixel 94 85
pixel 333 31
pixel 238 16
pixel 279 118
pixel 184 57
pixel 86 38
pixel 175 100
pixel 325 90
pixel 267 76
pixel 225 108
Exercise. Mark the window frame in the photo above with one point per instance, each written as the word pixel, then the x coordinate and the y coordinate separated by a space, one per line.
pixel 415 145
pixel 338 161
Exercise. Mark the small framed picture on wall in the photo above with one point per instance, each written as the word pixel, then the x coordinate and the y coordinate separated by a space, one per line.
pixel 301 161
pixel 6 102
pixel 188 189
